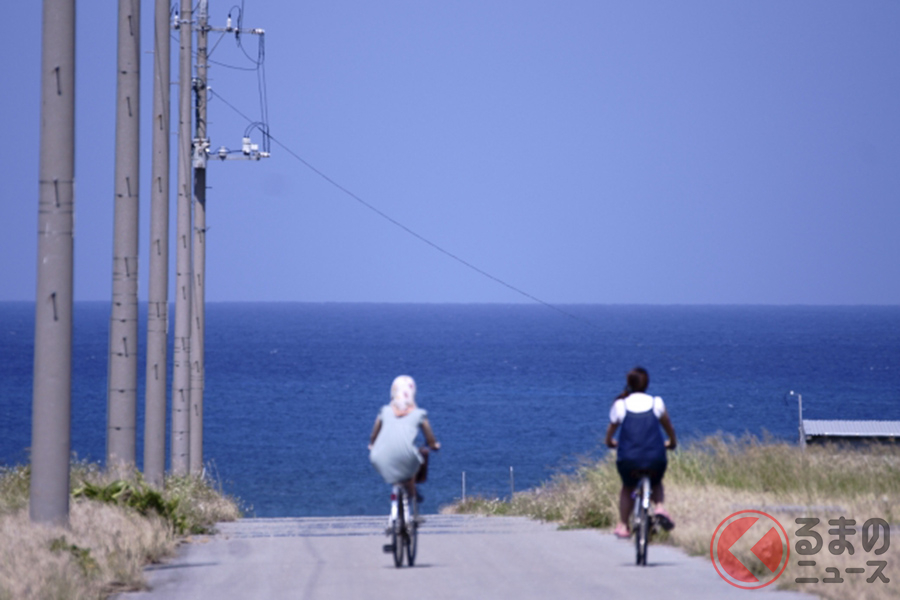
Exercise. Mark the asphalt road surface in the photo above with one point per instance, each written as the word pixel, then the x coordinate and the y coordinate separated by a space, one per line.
pixel 459 557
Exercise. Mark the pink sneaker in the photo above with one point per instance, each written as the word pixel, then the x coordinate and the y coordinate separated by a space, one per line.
pixel 621 531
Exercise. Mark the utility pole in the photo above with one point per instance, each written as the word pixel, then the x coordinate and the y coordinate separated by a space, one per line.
pixel 200 155
pixel 52 391
pixel 200 152
pixel 123 329
pixel 181 355
pixel 158 290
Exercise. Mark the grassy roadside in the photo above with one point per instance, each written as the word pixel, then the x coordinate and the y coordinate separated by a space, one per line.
pixel 718 476
pixel 118 525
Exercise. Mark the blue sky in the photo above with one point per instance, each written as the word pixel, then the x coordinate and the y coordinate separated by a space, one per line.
pixel 585 152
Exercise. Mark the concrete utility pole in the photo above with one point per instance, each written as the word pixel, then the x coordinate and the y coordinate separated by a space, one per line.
pixel 200 156
pixel 181 356
pixel 198 308
pixel 52 399
pixel 190 301
pixel 158 290
pixel 123 326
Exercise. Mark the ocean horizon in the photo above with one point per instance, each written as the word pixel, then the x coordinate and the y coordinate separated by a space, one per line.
pixel 292 389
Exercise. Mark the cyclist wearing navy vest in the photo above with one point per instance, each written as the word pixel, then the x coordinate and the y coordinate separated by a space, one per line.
pixel 641 447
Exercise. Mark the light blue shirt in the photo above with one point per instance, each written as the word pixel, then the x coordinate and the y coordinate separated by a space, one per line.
pixel 394 454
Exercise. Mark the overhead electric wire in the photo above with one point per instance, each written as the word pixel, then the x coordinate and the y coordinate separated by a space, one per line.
pixel 234 67
pixel 263 126
pixel 411 232
pixel 261 79
pixel 216 45
pixel 174 38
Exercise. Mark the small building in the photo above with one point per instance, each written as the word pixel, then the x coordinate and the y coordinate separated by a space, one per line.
pixel 820 431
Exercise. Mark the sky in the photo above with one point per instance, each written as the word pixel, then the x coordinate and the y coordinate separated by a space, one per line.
pixel 664 152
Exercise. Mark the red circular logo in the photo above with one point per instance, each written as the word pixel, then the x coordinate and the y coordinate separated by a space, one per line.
pixel 761 543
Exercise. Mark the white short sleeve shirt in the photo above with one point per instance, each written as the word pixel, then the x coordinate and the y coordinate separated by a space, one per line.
pixel 637 402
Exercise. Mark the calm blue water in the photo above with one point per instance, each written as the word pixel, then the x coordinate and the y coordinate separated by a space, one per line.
pixel 293 389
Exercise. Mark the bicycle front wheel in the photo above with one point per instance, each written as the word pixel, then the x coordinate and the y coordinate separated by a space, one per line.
pixel 412 541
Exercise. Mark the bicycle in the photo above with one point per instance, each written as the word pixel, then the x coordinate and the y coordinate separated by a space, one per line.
pixel 403 527
pixel 643 524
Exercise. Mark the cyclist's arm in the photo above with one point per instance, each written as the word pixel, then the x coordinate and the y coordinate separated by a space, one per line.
pixel 610 432
pixel 666 423
pixel 376 429
pixel 429 435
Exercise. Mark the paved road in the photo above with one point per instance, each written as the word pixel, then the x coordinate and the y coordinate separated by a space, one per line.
pixel 459 557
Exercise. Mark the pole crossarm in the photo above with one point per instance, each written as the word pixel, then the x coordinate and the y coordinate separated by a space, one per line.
pixel 235 30
pixel 249 151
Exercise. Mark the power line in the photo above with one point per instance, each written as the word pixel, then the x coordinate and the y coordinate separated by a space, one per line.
pixel 411 232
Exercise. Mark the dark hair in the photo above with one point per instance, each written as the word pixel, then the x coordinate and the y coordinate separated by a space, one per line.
pixel 637 381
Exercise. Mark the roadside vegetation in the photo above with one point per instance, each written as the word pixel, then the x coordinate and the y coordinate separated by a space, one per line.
pixel 715 477
pixel 117 525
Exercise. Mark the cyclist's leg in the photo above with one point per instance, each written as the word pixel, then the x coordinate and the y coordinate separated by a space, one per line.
pixel 657 493
pixel 626 505
pixel 657 496
pixel 422 474
pixel 626 497
pixel 410 486
pixel 657 470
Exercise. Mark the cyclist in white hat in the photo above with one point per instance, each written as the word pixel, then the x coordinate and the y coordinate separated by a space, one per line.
pixel 392 445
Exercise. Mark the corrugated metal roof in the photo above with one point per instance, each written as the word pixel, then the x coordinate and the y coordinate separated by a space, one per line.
pixel 813 427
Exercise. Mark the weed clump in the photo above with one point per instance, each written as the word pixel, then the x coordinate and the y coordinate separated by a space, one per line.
pixel 117 525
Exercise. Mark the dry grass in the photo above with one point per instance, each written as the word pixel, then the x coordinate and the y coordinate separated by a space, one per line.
pixel 114 531
pixel 103 550
pixel 719 476
pixel 700 509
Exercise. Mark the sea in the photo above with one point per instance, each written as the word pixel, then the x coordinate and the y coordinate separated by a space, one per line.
pixel 515 393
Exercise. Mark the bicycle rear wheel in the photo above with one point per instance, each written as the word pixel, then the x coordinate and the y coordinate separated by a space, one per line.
pixel 641 524
pixel 641 535
pixel 398 536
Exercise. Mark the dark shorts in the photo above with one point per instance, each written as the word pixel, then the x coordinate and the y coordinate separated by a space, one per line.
pixel 631 472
